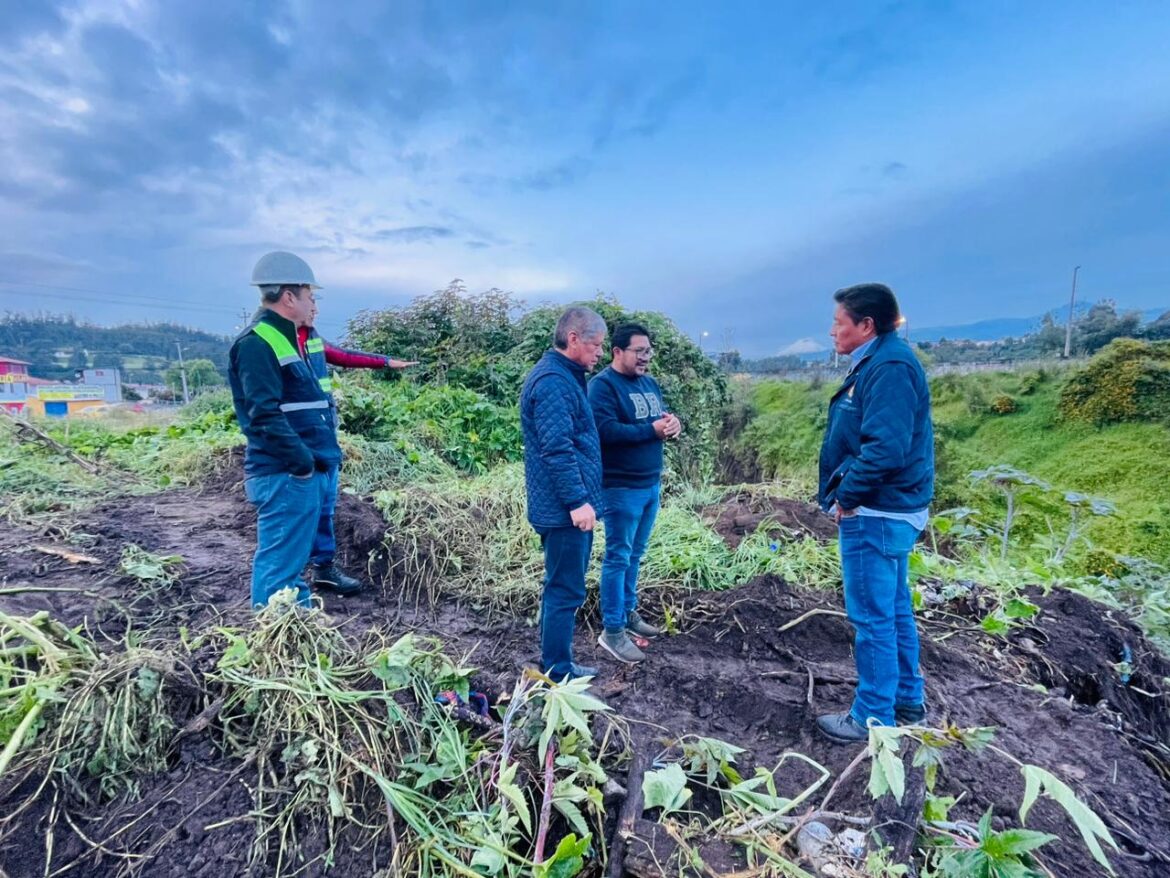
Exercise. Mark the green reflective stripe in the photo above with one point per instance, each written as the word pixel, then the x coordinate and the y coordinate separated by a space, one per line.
pixel 326 384
pixel 314 345
pixel 304 406
pixel 281 346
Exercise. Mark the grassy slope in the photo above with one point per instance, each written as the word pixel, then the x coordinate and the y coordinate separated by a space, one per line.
pixel 1126 463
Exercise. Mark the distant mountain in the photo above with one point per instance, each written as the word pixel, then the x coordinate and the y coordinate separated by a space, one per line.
pixel 803 348
pixel 1003 327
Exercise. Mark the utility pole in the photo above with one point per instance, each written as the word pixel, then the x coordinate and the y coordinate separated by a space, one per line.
pixel 1068 326
pixel 245 318
pixel 183 374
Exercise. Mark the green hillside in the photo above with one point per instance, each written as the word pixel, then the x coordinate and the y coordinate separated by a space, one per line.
pixel 986 419
pixel 57 346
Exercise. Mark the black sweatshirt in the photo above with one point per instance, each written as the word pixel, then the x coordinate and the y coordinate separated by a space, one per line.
pixel 625 408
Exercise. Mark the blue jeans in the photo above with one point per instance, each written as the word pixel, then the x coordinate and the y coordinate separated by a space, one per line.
pixel 325 543
pixel 875 556
pixel 629 519
pixel 566 558
pixel 287 513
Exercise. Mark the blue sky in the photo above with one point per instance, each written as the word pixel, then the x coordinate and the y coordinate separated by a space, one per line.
pixel 730 164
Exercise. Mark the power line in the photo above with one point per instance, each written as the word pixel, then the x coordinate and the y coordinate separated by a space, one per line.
pixel 116 299
pixel 87 289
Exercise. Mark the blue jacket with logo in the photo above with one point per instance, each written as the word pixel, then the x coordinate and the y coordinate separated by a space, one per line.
pixel 878 449
pixel 562 454
pixel 280 405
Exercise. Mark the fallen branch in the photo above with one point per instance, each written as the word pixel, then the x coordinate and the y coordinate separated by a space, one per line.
pixel 546 804
pixel 801 618
pixel 71 557
pixel 26 432
pixel 630 811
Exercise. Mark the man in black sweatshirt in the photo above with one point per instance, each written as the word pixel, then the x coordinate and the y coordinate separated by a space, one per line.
pixel 632 423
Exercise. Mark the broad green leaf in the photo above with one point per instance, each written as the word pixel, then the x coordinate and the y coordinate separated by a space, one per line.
pixel 511 791
pixel 886 774
pixel 1019 608
pixel 937 807
pixel 666 788
pixel 566 861
pixel 995 624
pixel 1088 824
pixel 1013 842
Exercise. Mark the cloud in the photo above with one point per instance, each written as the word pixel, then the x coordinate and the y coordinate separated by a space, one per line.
pixel 413 234
pixel 563 173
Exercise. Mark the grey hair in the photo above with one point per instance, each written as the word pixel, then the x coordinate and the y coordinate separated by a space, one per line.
pixel 586 322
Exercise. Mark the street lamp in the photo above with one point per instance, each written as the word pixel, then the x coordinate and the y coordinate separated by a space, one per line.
pixel 702 336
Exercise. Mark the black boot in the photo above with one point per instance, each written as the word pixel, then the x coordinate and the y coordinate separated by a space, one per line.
pixel 329 578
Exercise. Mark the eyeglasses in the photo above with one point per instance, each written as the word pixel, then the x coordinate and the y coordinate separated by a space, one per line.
pixel 642 353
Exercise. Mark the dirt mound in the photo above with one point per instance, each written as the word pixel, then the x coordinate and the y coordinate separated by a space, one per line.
pixel 740 514
pixel 753 666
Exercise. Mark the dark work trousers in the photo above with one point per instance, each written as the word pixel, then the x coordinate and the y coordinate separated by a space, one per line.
pixel 566 558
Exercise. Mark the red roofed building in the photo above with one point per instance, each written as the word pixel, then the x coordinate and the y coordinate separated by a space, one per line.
pixel 14 384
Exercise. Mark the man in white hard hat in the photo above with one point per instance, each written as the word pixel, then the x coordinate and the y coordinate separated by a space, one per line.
pixel 286 417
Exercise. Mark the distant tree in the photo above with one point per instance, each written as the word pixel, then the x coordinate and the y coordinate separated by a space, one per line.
pixel 730 361
pixel 1157 330
pixel 201 375
pixel 79 359
pixel 107 360
pixel 1102 324
pixel 1050 338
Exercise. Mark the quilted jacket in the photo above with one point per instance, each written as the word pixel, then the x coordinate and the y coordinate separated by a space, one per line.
pixel 562 454
pixel 879 445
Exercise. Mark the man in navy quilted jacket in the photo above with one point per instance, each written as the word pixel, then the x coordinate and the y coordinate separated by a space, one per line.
pixel 562 474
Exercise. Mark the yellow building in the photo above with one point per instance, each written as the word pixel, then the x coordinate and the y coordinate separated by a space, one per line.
pixel 62 400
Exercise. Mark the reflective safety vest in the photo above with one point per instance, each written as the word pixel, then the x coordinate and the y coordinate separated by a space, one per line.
pixel 306 403
pixel 315 354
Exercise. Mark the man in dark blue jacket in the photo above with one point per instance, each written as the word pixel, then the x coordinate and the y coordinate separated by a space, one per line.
pixel 877 479
pixel 285 415
pixel 632 422
pixel 562 474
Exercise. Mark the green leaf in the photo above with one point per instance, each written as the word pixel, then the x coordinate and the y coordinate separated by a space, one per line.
pixel 666 788
pixel 511 791
pixel 886 774
pixel 1013 842
pixel 937 807
pixel 1088 824
pixel 995 624
pixel 566 861
pixel 1019 608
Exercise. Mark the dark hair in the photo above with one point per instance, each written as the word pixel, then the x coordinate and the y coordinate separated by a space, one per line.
pixel 270 293
pixel 875 301
pixel 622 335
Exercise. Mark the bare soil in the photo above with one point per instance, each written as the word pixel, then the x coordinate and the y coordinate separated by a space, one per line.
pixel 1052 689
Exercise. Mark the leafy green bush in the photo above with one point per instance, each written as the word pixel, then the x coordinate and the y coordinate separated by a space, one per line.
pixel 461 426
pixel 1128 381
pixel 487 343
pixel 1004 405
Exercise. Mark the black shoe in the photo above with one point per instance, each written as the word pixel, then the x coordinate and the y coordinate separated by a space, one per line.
pixel 842 728
pixel 582 671
pixel 329 578
pixel 909 714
